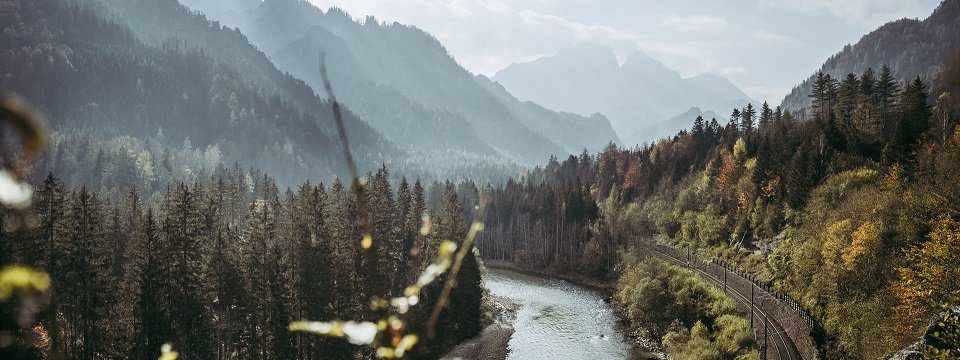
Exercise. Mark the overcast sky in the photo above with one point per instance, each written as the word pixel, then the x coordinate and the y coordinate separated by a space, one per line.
pixel 763 46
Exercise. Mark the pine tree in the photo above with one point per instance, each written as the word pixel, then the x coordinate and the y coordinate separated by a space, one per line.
pixel 747 117
pixel 185 288
pixel 766 117
pixel 343 235
pixel 149 271
pixel 312 256
pixel 226 283
pixel 824 96
pixel 405 235
pixel 914 120
pixel 884 100
pixel 260 230
pixel 381 209
pixel 414 221
pixel 82 270
pixel 48 206
pixel 735 121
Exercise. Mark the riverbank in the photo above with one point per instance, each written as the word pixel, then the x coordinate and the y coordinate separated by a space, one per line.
pixel 606 288
pixel 493 341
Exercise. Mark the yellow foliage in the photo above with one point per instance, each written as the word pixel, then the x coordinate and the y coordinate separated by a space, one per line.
pixel 863 240
pixel 931 278
pixel 832 190
pixel 167 353
pixel 19 278
pixel 770 187
pixel 835 238
pixel 892 179
pixel 739 150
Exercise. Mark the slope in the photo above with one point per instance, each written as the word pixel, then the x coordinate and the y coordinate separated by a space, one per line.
pixel 411 64
pixel 909 47
pixel 638 93
pixel 89 72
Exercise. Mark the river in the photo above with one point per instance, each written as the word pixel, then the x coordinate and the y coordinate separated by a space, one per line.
pixel 558 320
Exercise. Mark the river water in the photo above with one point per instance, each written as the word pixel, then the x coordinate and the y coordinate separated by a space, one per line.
pixel 558 320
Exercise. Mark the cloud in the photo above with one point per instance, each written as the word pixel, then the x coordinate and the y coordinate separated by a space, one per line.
pixel 770 38
pixel 734 71
pixel 693 23
pixel 858 12
pixel 760 93
pixel 487 35
pixel 692 37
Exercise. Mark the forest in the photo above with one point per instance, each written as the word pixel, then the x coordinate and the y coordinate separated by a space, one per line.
pixel 220 268
pixel 849 206
pixel 162 205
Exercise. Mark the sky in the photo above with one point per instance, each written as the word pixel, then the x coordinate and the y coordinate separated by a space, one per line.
pixel 763 46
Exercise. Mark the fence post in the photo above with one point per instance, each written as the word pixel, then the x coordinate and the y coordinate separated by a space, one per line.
pixel 724 281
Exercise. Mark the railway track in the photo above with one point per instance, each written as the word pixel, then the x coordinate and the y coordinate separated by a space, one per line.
pixel 784 347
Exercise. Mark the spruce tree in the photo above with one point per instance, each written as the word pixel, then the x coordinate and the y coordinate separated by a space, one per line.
pixel 186 288
pixel 82 270
pixel 48 206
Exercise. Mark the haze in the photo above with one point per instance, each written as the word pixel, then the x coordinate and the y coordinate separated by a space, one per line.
pixel 762 46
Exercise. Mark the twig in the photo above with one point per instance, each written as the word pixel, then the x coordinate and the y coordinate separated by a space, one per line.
pixel 451 282
pixel 338 118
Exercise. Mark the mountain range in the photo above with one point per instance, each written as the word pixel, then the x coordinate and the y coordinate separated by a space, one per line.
pixel 634 95
pixel 403 81
pixel 154 71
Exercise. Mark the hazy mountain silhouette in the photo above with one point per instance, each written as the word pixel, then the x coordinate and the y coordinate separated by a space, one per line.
pixel 671 126
pixel 587 78
pixel 155 70
pixel 403 81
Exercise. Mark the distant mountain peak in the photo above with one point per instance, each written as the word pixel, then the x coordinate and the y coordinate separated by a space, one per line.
pixel 639 59
pixel 587 78
pixel 590 53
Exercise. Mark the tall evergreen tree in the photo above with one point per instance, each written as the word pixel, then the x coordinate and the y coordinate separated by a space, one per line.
pixel 83 263
pixel 149 270
pixel 48 206
pixel 747 117
pixel 185 288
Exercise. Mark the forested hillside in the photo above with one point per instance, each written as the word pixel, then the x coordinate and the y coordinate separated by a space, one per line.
pixel 89 74
pixel 143 237
pixel 849 212
pixel 403 81
pixel 134 83
pixel 910 47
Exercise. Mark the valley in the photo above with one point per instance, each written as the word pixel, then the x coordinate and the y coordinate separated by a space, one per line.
pixel 293 179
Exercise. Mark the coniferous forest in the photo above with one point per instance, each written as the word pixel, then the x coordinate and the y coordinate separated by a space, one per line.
pixel 222 266
pixel 171 189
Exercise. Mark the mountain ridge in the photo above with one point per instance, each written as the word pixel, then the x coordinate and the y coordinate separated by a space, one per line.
pixel 910 47
pixel 640 92
pixel 426 82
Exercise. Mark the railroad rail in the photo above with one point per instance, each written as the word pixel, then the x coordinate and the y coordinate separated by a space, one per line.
pixel 780 325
